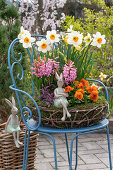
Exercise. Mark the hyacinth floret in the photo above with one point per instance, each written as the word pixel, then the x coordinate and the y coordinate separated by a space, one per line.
pixel 69 72
pixel 44 68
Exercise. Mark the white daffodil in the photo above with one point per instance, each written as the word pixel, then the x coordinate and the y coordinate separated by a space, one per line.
pixel 74 38
pixel 22 32
pixel 43 45
pixel 87 39
pixel 52 36
pixel 98 39
pixel 26 40
pixel 70 29
pixel 102 76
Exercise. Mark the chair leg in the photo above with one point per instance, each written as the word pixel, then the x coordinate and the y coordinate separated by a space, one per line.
pixel 71 151
pixel 76 153
pixel 55 157
pixel 67 147
pixel 26 146
pixel 54 147
pixel 109 149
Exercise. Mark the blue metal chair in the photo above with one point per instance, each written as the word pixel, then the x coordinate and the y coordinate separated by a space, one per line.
pixel 34 126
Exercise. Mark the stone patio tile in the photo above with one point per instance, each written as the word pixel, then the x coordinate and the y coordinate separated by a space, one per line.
pixel 44 166
pixel 92 139
pixel 91 145
pixel 43 138
pixel 94 135
pixel 91 166
pixel 101 155
pixel 58 141
pixel 48 153
pixel 90 159
pixel 92 152
pixel 64 168
pixel 102 169
pixel 64 156
pixel 46 146
pixel 60 164
pixel 105 161
pixel 105 136
pixel 43 143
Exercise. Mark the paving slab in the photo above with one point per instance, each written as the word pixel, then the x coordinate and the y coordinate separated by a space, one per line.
pixel 92 152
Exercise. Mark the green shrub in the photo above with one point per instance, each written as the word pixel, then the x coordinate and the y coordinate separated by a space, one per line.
pixel 9 30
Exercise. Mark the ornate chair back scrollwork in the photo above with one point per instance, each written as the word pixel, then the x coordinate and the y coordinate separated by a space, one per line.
pixel 15 59
pixel 13 62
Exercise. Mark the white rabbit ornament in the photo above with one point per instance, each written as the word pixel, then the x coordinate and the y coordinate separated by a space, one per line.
pixel 60 97
pixel 12 124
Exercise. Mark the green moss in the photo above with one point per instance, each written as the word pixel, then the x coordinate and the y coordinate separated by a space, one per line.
pixel 101 101
pixel 82 115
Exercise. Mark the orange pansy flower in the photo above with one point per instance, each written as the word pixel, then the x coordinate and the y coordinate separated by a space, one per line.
pixel 94 95
pixel 68 89
pixel 76 83
pixel 94 88
pixel 80 86
pixel 78 95
pixel 81 90
pixel 84 82
pixel 90 89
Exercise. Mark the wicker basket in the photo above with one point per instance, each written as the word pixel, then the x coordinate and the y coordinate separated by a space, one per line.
pixel 80 117
pixel 11 158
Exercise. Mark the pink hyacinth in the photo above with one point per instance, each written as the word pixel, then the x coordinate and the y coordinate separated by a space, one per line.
pixel 69 72
pixel 44 68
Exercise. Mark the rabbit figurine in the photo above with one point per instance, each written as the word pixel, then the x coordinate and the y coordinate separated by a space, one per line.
pixel 12 124
pixel 60 96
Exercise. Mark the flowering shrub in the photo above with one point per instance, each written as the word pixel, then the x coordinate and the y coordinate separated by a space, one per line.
pixel 38 15
pixel 67 53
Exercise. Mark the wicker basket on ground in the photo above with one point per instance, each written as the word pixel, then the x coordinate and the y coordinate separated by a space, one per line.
pixel 82 115
pixel 11 158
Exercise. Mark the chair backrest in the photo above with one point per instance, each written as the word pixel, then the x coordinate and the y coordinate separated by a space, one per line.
pixel 13 62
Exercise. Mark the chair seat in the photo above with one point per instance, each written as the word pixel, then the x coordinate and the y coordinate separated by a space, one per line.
pixel 100 125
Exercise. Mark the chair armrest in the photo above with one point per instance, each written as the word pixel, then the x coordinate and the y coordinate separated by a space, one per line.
pixel 30 123
pixel 107 95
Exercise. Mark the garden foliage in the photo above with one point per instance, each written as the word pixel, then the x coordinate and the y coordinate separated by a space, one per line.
pixel 9 24
pixel 9 29
pixel 93 21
